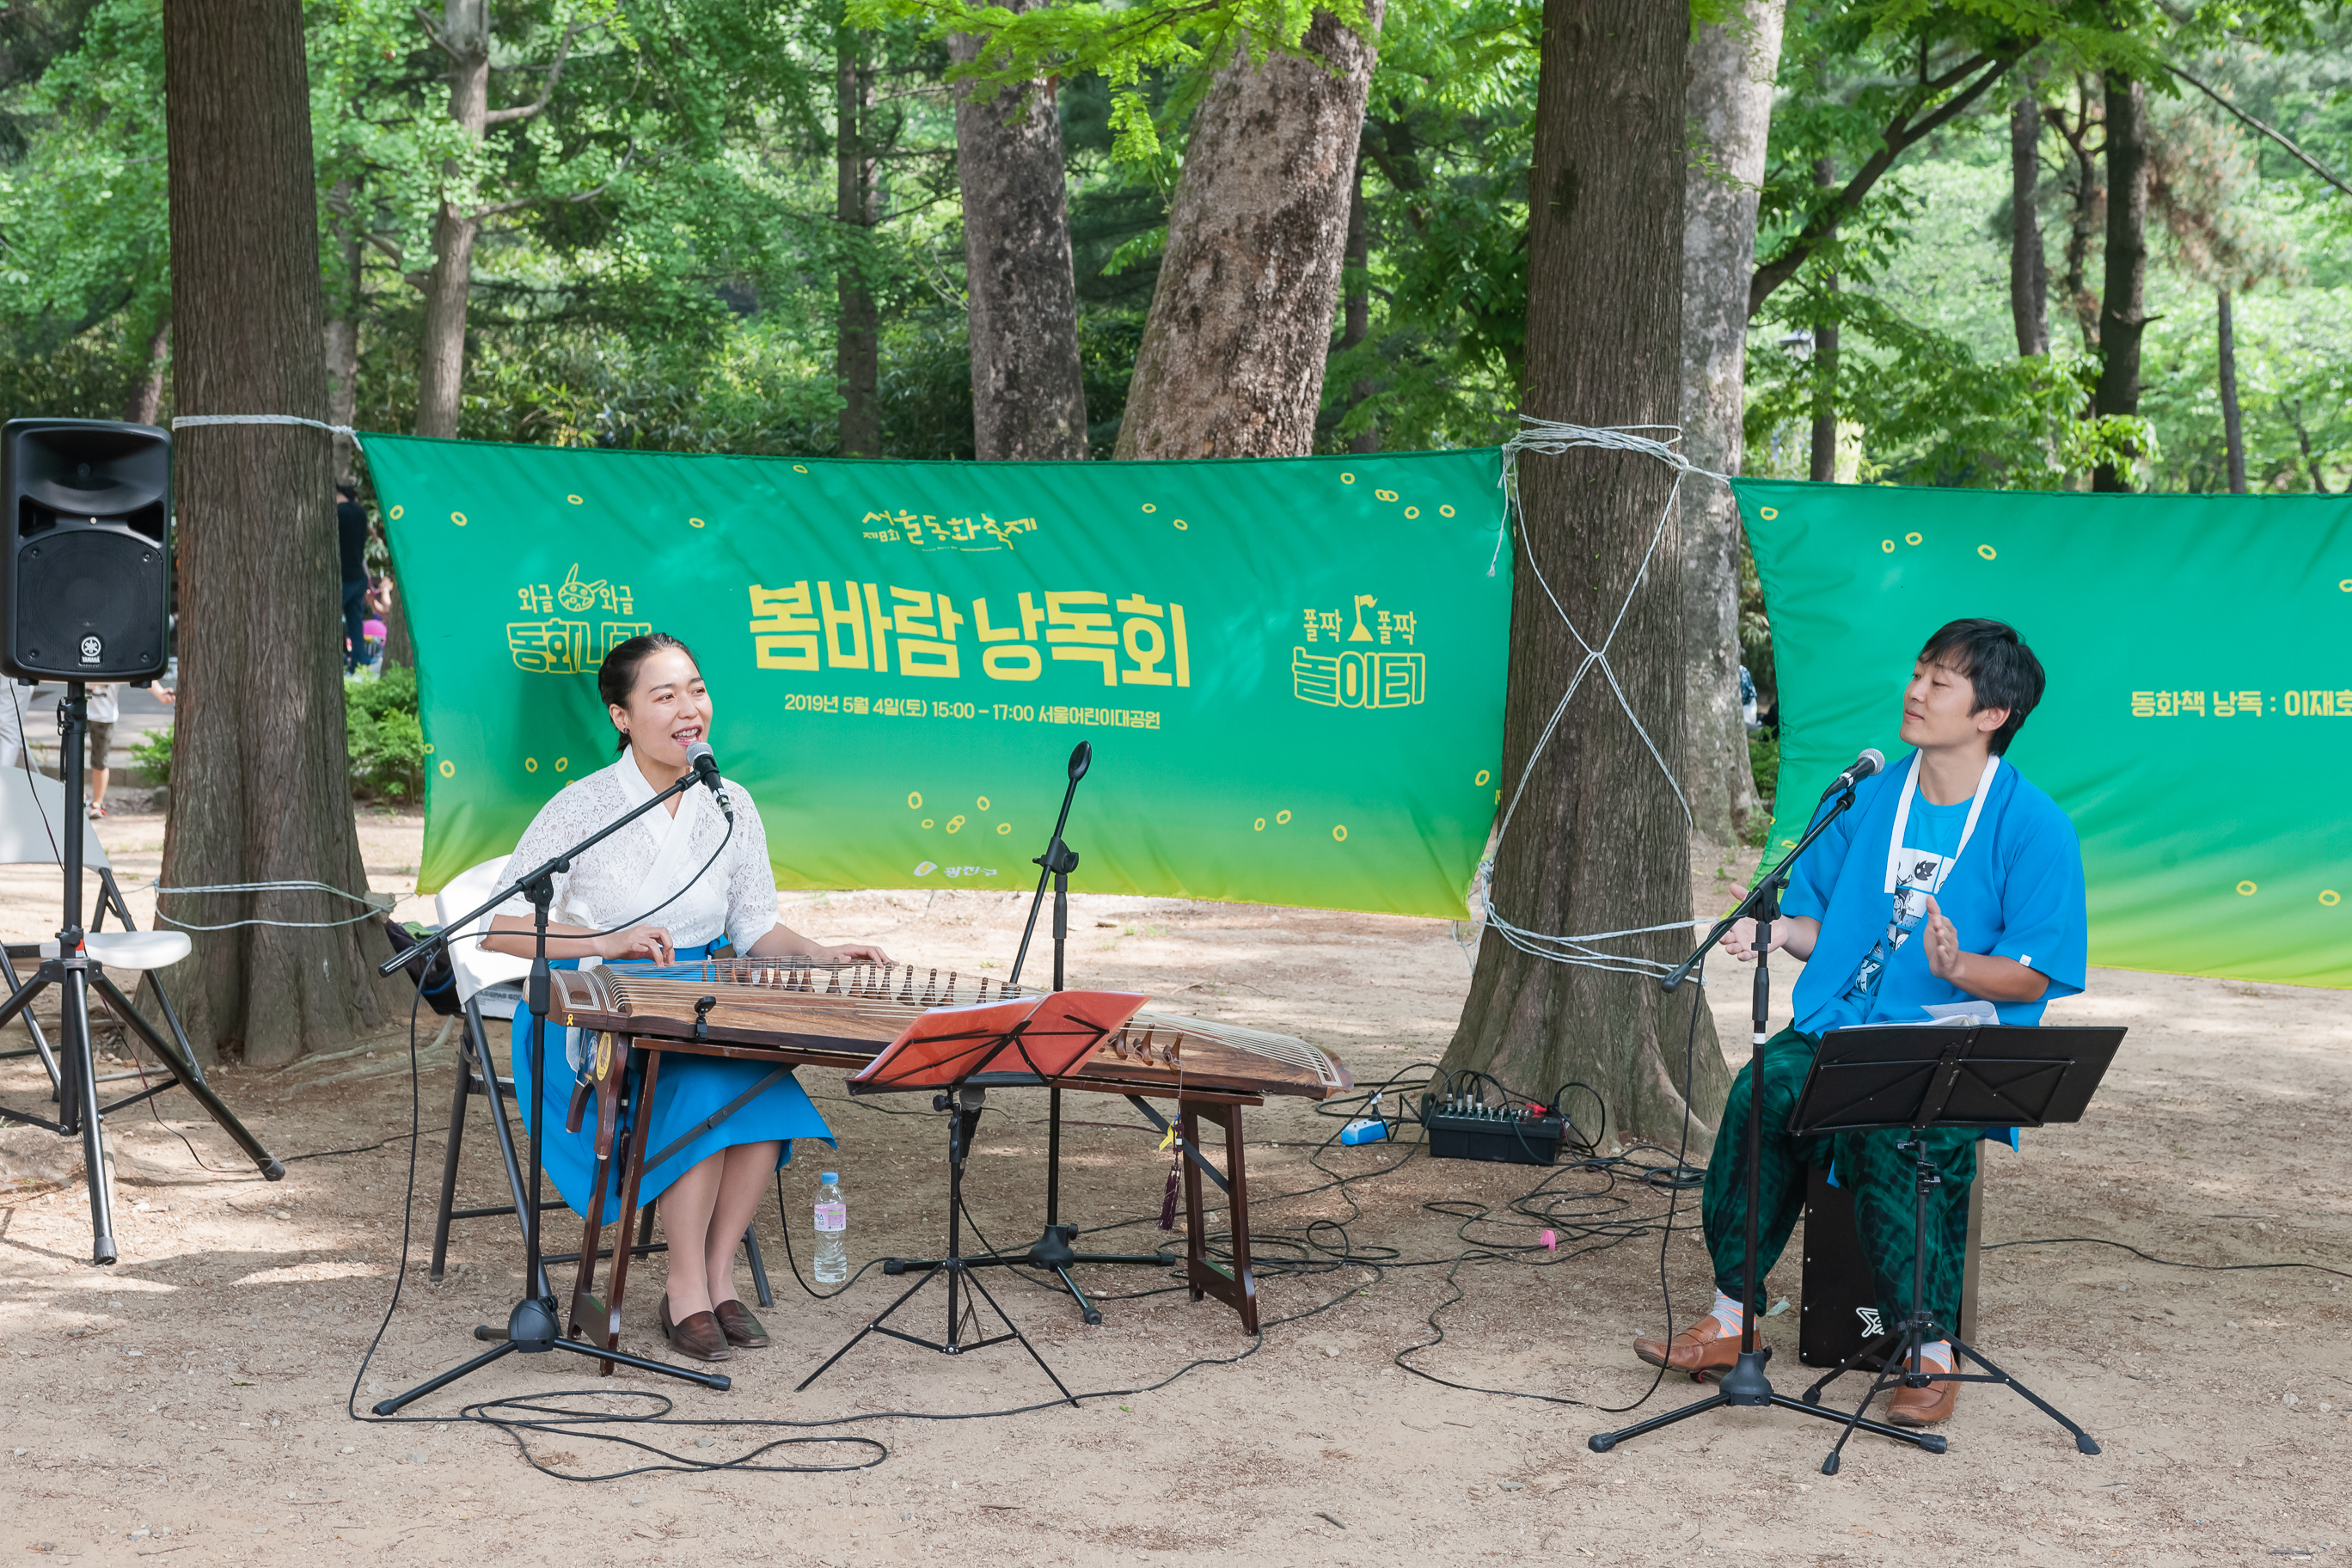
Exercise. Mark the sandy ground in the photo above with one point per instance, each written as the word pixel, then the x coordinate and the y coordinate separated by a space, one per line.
pixel 191 1398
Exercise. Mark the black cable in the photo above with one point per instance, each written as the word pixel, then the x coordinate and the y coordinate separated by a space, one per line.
pixel 2166 1262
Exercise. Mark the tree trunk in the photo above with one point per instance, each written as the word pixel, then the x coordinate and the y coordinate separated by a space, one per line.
pixel 2123 310
pixel 2233 430
pixel 147 398
pixel 858 349
pixel 2310 458
pixel 1730 71
pixel 2087 211
pixel 2029 269
pixel 1356 303
pixel 1823 468
pixel 1597 842
pixel 441 365
pixel 1028 388
pixel 262 786
pixel 1231 360
pixel 344 302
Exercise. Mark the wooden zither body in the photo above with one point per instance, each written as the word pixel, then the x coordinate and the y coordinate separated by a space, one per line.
pixel 796 1014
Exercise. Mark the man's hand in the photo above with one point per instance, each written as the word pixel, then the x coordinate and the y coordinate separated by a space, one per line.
pixel 1794 933
pixel 1943 941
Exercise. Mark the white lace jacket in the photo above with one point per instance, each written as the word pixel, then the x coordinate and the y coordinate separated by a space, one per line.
pixel 620 880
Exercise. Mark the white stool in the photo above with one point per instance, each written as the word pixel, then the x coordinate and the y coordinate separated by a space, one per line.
pixel 130 949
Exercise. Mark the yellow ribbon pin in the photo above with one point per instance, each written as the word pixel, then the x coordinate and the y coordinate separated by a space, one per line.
pixel 1169 1140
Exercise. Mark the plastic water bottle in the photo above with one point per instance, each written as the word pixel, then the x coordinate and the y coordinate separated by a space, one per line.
pixel 832 1232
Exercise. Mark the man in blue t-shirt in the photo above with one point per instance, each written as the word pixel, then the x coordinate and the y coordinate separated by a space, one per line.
pixel 1951 882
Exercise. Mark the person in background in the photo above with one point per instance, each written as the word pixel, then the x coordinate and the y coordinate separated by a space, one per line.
pixel 351 533
pixel 103 711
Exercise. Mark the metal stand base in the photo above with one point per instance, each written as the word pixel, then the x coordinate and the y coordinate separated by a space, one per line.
pixel 530 1329
pixel 1746 1385
pixel 1051 1251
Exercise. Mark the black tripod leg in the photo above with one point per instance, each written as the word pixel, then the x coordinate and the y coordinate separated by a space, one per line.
pixel 1813 1395
pixel 909 1295
pixel 456 1142
pixel 20 997
pixel 1601 1442
pixel 2083 1442
pixel 84 1067
pixel 1014 1330
pixel 1087 1311
pixel 182 1068
pixel 387 1406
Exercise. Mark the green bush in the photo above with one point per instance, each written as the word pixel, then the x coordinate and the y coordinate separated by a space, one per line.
pixel 1764 761
pixel 150 753
pixel 387 743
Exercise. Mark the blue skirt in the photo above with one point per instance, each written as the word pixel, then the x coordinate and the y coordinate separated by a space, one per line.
pixel 689 1089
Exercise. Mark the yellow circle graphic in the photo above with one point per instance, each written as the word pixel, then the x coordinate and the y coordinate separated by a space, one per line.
pixel 799 468
pixel 1988 552
pixel 1149 507
pixel 395 511
pixel 1340 833
pixel 914 800
pixel 428 748
pixel 561 763
pixel 983 802
pixel 448 770
pixel 1004 828
pixel 2246 889
pixel 1259 826
pixel 1413 512
pixel 694 522
pixel 1347 478
pixel 574 500
pixel 1386 495
pixel 2346 585
pixel 1910 539
pixel 1183 526
pixel 955 823
pixel 530 765
pixel 927 822
pixel 1445 512
pixel 459 518
pixel 1483 776
pixel 1281 816
pixel 1768 512
pixel 2330 897
pixel 1888 546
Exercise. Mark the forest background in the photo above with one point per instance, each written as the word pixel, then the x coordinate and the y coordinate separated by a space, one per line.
pixel 2022 244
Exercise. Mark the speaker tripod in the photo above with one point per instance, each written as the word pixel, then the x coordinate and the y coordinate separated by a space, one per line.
pixel 80 961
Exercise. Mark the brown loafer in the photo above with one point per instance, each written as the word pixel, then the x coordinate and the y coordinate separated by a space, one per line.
pixel 1702 1347
pixel 1923 1406
pixel 740 1327
pixel 699 1336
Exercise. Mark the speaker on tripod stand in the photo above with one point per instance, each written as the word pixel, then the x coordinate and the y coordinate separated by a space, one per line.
pixel 85 594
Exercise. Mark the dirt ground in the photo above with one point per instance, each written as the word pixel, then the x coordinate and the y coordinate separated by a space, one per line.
pixel 191 1398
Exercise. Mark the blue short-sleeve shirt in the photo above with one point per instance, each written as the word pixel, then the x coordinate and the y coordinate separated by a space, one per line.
pixel 2016 892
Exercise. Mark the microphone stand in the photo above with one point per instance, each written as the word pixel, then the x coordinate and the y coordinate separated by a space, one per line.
pixel 1057 1248
pixel 1746 1384
pixel 531 1327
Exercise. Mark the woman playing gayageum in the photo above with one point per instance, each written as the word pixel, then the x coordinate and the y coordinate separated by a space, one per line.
pixel 708 1190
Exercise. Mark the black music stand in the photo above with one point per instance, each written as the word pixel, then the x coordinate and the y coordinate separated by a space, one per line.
pixel 1915 1077
pixel 964 1052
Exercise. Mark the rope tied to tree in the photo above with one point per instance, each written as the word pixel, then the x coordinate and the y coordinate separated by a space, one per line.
pixel 1554 436
pixel 185 421
pixel 377 904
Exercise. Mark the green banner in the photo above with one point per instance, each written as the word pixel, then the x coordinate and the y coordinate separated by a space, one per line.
pixel 1292 671
pixel 2198 725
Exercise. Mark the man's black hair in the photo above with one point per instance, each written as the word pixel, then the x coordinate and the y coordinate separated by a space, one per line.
pixel 1998 664
pixel 346 489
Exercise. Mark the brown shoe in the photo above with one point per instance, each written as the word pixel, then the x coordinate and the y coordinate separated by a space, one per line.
pixel 1702 1347
pixel 699 1336
pixel 741 1327
pixel 1923 1406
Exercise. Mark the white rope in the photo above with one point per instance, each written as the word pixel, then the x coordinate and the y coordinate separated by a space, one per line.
pixel 1553 436
pixel 187 420
pixel 373 907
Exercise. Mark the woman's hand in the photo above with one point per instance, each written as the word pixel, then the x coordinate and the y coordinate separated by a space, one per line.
pixel 636 943
pixel 1794 935
pixel 852 952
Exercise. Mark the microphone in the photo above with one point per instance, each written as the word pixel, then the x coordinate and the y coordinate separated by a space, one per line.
pixel 1871 761
pixel 705 763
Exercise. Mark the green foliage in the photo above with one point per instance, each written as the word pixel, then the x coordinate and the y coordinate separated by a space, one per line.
pixel 150 753
pixel 386 742
pixel 1764 765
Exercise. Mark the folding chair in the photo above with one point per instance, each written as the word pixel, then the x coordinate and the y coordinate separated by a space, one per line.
pixel 496 979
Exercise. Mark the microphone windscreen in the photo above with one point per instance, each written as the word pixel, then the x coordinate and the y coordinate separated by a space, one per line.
pixel 1872 761
pixel 702 758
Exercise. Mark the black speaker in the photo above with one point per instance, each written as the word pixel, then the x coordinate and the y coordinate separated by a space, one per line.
pixel 86 563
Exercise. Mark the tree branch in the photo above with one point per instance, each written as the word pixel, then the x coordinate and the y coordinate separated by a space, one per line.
pixel 546 87
pixel 2307 160
pixel 433 32
pixel 1901 134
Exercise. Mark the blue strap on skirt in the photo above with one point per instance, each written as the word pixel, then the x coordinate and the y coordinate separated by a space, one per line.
pixel 689 1091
